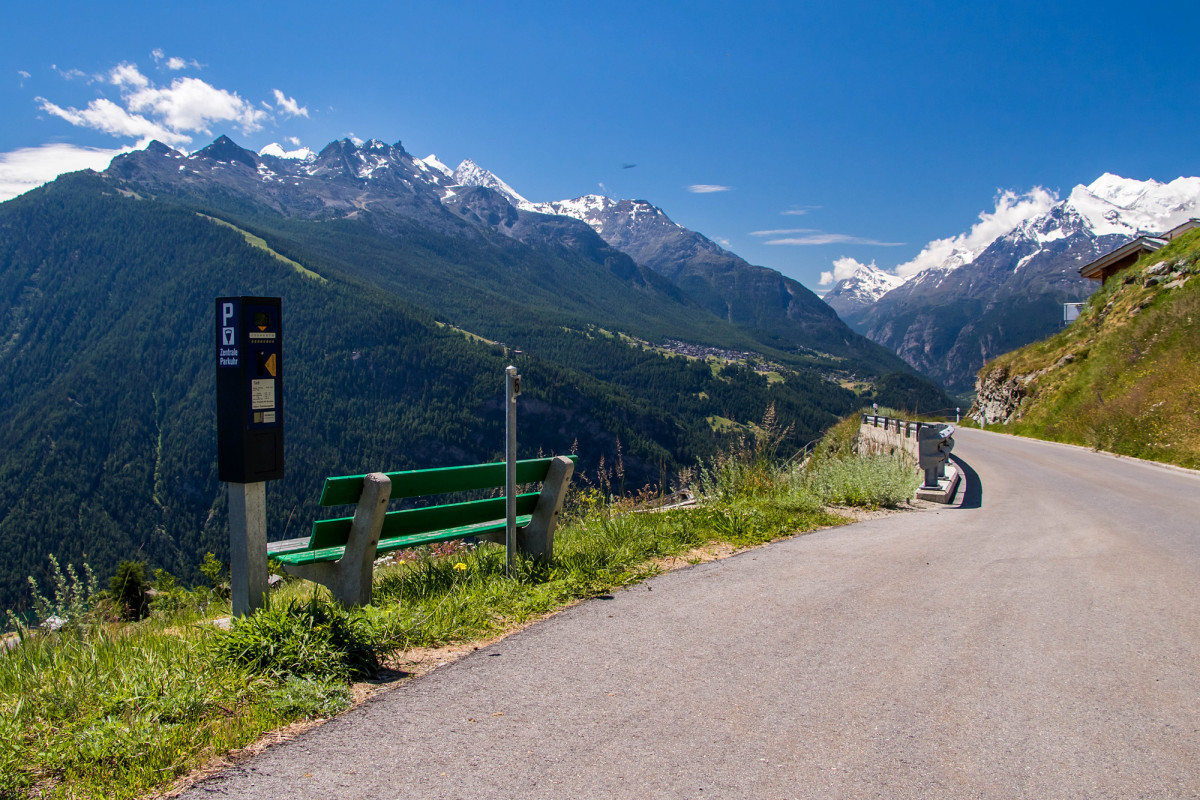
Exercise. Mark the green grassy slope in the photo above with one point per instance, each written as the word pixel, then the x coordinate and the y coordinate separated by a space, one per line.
pixel 1125 376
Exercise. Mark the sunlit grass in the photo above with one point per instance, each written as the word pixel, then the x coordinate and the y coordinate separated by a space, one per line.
pixel 100 709
pixel 1125 376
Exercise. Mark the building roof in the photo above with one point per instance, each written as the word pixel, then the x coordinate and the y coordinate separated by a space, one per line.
pixel 1181 229
pixel 1140 245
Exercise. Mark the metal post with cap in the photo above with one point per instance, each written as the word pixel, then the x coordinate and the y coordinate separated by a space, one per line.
pixel 512 388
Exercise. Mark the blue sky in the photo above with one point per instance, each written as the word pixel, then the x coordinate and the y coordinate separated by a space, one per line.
pixel 848 129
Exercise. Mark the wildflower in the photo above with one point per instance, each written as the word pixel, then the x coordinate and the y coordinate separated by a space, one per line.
pixel 460 566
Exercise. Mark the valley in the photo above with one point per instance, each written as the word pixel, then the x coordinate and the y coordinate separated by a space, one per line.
pixel 401 313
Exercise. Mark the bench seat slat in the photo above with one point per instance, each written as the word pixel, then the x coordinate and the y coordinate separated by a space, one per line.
pixel 402 542
pixel 345 490
pixel 333 533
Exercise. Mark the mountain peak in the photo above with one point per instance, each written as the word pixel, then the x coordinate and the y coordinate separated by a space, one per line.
pixel 225 149
pixel 861 288
pixel 1115 205
pixel 431 161
pixel 1120 191
pixel 471 174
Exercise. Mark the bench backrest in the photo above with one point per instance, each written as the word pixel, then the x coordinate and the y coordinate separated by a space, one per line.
pixel 421 482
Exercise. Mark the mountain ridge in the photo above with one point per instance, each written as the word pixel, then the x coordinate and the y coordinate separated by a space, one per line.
pixel 390 188
pixel 949 319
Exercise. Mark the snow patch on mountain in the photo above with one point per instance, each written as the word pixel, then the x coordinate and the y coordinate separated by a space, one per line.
pixel 590 208
pixel 1116 205
pixel 471 174
pixel 431 162
pixel 299 154
pixel 597 210
pixel 1028 223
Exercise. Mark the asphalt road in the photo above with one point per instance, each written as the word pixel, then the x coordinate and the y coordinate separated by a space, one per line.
pixel 1038 639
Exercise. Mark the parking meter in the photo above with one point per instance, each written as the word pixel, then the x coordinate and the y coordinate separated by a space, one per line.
pixel 249 389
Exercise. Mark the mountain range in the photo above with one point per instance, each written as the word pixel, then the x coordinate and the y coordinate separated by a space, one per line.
pixel 949 319
pixel 407 287
pixel 347 180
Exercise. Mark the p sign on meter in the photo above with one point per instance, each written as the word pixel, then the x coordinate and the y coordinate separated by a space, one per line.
pixel 249 389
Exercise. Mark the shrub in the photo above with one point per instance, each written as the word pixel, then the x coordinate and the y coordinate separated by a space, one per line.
pixel 867 481
pixel 128 589
pixel 314 639
pixel 214 570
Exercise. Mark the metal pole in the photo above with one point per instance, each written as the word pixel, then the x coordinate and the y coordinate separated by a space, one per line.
pixel 512 388
pixel 247 547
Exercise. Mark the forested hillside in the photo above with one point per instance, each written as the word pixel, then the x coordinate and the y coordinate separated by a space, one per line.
pixel 107 448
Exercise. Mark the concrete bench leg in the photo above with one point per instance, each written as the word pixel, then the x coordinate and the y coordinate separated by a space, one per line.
pixel 536 540
pixel 349 578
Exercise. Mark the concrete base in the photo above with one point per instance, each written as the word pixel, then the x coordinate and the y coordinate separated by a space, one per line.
pixel 349 578
pixel 947 486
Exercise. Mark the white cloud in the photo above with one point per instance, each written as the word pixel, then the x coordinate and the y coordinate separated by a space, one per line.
pixel 190 104
pixel 71 74
pixel 798 212
pixel 818 237
pixel 707 188
pixel 105 115
pixel 30 167
pixel 843 268
pixel 125 74
pixel 294 141
pixel 174 63
pixel 289 106
pixel 1011 210
pixel 784 231
pixel 171 114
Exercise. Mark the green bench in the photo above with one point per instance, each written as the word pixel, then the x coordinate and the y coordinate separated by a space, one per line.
pixel 341 553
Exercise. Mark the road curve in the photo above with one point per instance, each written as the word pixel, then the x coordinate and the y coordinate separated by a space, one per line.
pixel 1038 639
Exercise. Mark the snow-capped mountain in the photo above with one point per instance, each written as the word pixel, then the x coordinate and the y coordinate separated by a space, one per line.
pixel 386 187
pixel 1110 206
pixel 780 309
pixel 471 174
pixel 861 288
pixel 949 320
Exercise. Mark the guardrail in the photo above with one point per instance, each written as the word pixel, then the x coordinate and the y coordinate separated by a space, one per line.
pixel 906 427
pixel 893 433
pixel 929 444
